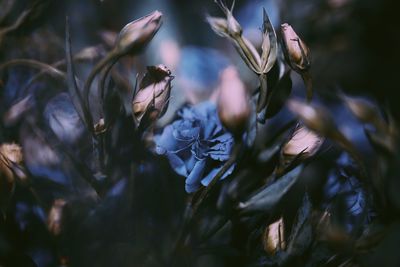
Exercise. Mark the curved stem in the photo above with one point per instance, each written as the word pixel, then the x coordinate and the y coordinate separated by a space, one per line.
pixel 96 69
pixel 35 64
pixel 308 83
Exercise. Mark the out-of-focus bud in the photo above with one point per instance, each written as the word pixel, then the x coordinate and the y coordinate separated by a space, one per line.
pixel 9 154
pixel 296 51
pixel 137 34
pixel 233 102
pixel 365 112
pixel 100 127
pixel 152 98
pixel 274 237
pixel 218 25
pixel 303 144
pixel 54 219
pixel 89 53
pixel 314 118
pixel 10 158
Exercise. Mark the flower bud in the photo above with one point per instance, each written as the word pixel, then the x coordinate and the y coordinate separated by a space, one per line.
pixel 137 34
pixel 274 237
pixel 233 102
pixel 10 154
pixel 54 219
pixel 218 25
pixel 296 51
pixel 303 144
pixel 151 100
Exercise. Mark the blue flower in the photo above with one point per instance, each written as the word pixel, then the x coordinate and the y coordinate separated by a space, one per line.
pixel 196 145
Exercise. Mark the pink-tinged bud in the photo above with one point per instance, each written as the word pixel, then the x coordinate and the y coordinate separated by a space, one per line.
pixel 303 144
pixel 151 100
pixel 54 220
pixel 233 102
pixel 274 237
pixel 296 51
pixel 10 155
pixel 136 35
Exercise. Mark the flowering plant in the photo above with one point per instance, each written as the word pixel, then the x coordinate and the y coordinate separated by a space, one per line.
pixel 196 145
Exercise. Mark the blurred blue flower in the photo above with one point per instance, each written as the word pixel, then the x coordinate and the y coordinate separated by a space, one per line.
pixel 196 145
pixel 344 195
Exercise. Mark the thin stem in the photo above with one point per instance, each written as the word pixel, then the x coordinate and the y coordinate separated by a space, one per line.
pixel 308 83
pixel 35 64
pixel 99 66
pixel 191 211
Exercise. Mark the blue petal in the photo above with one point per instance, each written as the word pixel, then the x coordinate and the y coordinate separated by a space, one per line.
pixel 206 180
pixel 196 174
pixel 177 164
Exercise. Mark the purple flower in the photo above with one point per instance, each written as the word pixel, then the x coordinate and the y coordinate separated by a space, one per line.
pixel 196 145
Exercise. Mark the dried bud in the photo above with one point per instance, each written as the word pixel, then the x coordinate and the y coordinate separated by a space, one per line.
pixel 54 220
pixel 100 127
pixel 274 237
pixel 366 112
pixel 137 34
pixel 233 102
pixel 151 101
pixel 295 49
pixel 303 144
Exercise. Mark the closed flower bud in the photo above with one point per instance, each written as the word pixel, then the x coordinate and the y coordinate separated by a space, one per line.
pixel 151 100
pixel 233 102
pixel 274 237
pixel 137 34
pixel 295 49
pixel 218 25
pixel 303 144
pixel 54 220
pixel 10 155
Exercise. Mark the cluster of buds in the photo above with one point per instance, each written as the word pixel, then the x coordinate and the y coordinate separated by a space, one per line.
pixel 233 102
pixel 132 39
pixel 152 98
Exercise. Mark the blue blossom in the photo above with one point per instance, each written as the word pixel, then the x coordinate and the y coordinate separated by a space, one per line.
pixel 196 145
